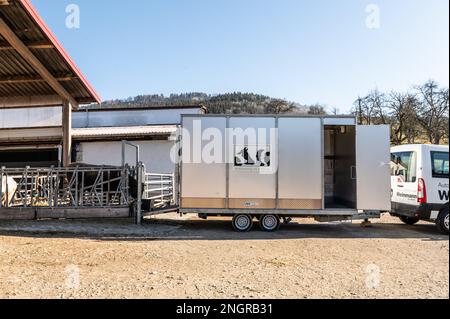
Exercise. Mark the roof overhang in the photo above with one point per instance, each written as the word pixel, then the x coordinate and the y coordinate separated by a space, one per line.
pixel 119 133
pixel 33 136
pixel 35 70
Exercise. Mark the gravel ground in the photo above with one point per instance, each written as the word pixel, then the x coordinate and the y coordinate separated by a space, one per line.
pixel 169 257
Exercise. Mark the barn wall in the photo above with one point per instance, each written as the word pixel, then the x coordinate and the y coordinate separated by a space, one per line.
pixel 30 117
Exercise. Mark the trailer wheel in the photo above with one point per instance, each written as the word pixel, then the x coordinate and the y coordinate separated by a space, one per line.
pixel 269 223
pixel 242 223
pixel 442 221
pixel 409 220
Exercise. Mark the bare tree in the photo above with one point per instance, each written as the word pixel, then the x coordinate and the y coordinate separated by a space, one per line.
pixel 411 125
pixel 279 107
pixel 358 109
pixel 445 119
pixel 402 117
pixel 317 109
pixel 412 115
pixel 335 111
pixel 433 111
pixel 371 109
pixel 377 102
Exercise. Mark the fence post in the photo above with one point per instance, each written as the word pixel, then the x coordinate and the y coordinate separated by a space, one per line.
pixel 162 186
pixel 1 186
pixel 140 174
pixel 25 180
pixel 174 190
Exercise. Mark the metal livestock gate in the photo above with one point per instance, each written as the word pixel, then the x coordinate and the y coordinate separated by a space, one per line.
pixel 77 192
pixel 86 192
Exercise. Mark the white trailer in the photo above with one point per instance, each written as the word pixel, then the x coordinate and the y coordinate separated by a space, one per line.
pixel 274 167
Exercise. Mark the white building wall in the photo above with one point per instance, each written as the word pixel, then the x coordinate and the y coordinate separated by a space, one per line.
pixel 114 118
pixel 154 154
pixel 31 117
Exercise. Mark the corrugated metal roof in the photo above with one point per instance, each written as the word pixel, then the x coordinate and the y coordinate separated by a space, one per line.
pixel 104 107
pixel 23 19
pixel 119 132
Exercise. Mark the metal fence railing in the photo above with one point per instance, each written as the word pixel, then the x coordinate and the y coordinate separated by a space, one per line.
pixel 84 186
pixel 159 189
pixel 75 187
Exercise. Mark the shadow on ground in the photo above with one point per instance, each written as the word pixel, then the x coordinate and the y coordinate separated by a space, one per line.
pixel 195 229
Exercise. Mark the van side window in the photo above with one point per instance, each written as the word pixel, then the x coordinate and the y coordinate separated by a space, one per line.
pixel 439 161
pixel 404 165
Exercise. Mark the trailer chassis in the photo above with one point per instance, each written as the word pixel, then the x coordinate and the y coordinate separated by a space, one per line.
pixel 271 220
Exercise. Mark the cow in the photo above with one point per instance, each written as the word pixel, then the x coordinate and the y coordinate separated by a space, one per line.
pixel 9 187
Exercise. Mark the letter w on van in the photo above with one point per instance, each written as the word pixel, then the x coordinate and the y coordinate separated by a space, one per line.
pixel 443 195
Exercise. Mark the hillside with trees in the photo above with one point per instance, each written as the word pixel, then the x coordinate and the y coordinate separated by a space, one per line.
pixel 420 115
pixel 230 103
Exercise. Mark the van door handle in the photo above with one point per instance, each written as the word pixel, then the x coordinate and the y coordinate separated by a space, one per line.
pixel 353 172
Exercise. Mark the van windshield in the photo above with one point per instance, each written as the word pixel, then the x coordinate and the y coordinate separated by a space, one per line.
pixel 440 164
pixel 403 165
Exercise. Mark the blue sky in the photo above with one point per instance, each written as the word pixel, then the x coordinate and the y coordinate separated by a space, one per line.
pixel 306 51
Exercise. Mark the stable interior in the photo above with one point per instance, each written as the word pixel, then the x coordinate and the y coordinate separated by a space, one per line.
pixel 340 167
pixel 29 158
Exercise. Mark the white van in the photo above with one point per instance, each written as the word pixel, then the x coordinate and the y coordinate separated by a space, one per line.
pixel 420 184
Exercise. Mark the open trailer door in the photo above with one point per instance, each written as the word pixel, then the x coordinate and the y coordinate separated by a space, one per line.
pixel 372 168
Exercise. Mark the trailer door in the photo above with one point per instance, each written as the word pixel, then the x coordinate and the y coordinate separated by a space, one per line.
pixel 300 181
pixel 372 168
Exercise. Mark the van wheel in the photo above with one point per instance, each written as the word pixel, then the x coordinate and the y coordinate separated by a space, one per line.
pixel 442 221
pixel 409 220
pixel 242 223
pixel 269 223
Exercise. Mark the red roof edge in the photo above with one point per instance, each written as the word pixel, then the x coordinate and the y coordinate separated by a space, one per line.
pixel 32 12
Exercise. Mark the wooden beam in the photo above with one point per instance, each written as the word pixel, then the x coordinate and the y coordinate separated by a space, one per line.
pixel 26 54
pixel 30 101
pixel 30 79
pixel 85 100
pixel 6 2
pixel 43 45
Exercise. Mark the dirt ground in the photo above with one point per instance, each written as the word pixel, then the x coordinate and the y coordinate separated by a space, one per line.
pixel 171 257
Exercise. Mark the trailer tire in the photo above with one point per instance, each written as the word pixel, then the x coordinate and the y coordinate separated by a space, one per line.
pixel 442 221
pixel 242 223
pixel 269 223
pixel 409 220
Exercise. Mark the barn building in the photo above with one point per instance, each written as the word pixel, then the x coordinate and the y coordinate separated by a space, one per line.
pixel 98 135
pixel 41 89
pixel 40 86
